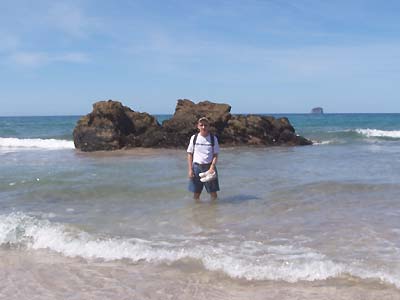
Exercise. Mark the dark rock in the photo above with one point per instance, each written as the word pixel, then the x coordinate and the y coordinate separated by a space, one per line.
pixel 289 138
pixel 260 130
pixel 252 130
pixel 184 121
pixel 112 126
pixel 317 110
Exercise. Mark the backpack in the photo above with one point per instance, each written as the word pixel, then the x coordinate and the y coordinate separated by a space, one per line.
pixel 212 141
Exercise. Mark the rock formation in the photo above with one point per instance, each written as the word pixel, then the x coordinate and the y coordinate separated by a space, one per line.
pixel 112 126
pixel 183 123
pixel 317 110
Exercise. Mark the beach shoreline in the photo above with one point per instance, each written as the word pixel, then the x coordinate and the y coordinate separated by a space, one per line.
pixel 132 152
pixel 50 276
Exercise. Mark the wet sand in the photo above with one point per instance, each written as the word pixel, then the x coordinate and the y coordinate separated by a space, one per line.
pixel 132 152
pixel 45 275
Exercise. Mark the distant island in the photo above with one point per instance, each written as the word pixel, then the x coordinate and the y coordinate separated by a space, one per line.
pixel 317 110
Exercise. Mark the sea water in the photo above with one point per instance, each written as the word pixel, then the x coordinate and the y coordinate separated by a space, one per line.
pixel 310 222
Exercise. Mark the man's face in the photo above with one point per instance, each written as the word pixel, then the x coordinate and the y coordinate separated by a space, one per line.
pixel 203 127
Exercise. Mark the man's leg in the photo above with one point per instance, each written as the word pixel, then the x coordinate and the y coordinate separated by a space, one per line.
pixel 195 185
pixel 213 195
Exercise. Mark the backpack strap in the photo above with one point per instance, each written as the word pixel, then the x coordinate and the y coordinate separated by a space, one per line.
pixel 212 142
pixel 194 141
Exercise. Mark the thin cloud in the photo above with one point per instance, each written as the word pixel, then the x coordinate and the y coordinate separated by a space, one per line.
pixel 299 62
pixel 70 19
pixel 64 25
pixel 37 59
pixel 8 42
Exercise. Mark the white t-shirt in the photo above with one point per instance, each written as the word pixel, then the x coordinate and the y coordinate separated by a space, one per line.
pixel 203 150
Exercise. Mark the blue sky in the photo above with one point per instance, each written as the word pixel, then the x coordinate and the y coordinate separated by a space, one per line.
pixel 260 56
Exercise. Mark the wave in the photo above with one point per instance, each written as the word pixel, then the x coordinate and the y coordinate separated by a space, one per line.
pixel 319 143
pixel 50 144
pixel 379 133
pixel 242 261
pixel 344 136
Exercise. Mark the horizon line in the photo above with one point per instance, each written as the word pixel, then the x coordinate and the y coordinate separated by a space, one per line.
pixel 239 113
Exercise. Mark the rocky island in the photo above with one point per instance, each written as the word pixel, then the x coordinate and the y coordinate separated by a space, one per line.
pixel 317 110
pixel 112 126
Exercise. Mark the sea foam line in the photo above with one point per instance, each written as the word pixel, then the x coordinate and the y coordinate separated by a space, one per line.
pixel 379 133
pixel 51 144
pixel 298 265
pixel 318 143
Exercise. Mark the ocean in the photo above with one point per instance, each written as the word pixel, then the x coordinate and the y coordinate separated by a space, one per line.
pixel 309 222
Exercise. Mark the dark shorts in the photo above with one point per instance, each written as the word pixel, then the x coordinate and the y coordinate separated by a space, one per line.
pixel 196 186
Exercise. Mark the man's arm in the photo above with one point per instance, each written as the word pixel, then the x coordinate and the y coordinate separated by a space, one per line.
pixel 190 163
pixel 214 162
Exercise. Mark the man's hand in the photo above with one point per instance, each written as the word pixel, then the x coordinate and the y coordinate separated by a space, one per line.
pixel 212 169
pixel 190 173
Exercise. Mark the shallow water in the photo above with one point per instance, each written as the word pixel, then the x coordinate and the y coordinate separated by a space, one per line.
pixel 315 222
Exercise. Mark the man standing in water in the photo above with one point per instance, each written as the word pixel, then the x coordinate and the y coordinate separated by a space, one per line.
pixel 202 157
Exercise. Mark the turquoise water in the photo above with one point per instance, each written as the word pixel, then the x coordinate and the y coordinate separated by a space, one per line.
pixel 347 127
pixel 59 127
pixel 312 222
pixel 316 127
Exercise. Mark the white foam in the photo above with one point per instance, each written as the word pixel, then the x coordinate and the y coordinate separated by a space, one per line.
pixel 50 144
pixel 249 260
pixel 379 133
pixel 317 143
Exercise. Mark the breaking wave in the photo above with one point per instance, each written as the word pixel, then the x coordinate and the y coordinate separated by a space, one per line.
pixel 248 260
pixel 319 143
pixel 379 133
pixel 50 144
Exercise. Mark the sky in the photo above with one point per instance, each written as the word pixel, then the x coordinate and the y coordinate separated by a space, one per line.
pixel 259 56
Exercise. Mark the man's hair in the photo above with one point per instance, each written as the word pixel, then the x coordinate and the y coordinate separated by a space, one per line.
pixel 203 120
